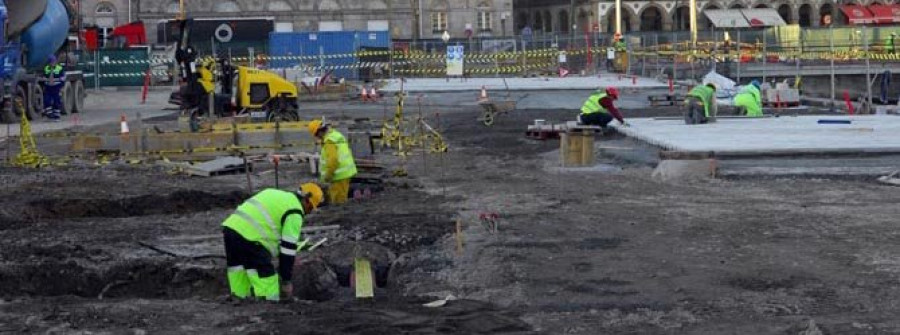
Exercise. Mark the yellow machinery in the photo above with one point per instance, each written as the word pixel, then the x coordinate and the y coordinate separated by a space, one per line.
pixel 266 96
pixel 256 88
pixel 263 95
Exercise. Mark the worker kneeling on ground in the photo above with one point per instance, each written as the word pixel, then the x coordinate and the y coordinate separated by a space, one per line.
pixel 336 164
pixel 701 104
pixel 266 225
pixel 749 100
pixel 599 109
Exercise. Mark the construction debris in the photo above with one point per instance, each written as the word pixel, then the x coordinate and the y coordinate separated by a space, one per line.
pixel 891 179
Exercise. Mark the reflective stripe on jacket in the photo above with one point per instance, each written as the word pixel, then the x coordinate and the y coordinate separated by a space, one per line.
pixel 271 218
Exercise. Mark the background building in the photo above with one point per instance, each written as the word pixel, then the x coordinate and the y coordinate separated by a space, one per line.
pixel 564 16
pixel 405 19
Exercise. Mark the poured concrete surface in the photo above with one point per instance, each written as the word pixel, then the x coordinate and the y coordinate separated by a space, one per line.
pixel 794 134
pixel 522 84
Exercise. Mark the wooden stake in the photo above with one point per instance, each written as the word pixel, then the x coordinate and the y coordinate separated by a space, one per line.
pixel 247 172
pixel 459 242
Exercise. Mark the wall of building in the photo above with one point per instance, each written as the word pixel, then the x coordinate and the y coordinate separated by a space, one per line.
pixel 658 15
pixel 404 17
pixel 105 13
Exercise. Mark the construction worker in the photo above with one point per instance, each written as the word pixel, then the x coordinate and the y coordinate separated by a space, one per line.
pixel 336 164
pixel 749 100
pixel 701 104
pixel 54 80
pixel 266 225
pixel 889 44
pixel 619 44
pixel 599 110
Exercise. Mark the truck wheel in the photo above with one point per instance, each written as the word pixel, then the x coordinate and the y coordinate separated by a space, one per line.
pixel 6 114
pixel 37 100
pixel 284 115
pixel 32 112
pixel 68 98
pixel 79 97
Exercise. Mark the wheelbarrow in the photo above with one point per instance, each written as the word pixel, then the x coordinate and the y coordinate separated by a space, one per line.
pixel 493 108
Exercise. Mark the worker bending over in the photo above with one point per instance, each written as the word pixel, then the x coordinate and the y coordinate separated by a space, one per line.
pixel 749 100
pixel 265 226
pixel 701 104
pixel 336 164
pixel 599 109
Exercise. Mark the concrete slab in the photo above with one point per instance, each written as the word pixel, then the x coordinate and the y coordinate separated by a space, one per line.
pixel 782 135
pixel 522 84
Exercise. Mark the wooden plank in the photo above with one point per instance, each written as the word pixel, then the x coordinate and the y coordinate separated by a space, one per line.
pixel 363 278
pixel 587 149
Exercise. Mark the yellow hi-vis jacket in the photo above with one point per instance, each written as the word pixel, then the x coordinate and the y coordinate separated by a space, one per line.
pixel 336 160
pixel 271 218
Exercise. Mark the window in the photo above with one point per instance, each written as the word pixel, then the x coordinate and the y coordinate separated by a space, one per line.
pixel 378 25
pixel 438 22
pixel 484 21
pixel 226 7
pixel 331 26
pixel 173 8
pixel 279 6
pixel 106 17
pixel 105 8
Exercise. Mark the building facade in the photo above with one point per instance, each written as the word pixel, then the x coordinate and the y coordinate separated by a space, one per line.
pixel 405 19
pixel 565 16
pixel 105 13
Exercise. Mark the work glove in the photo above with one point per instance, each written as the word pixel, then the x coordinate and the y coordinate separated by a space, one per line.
pixel 626 124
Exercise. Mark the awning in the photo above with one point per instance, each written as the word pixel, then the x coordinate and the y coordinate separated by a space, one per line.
pixel 885 13
pixel 726 18
pixel 763 17
pixel 857 14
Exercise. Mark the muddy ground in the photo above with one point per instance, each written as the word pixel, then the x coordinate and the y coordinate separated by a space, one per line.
pixel 588 252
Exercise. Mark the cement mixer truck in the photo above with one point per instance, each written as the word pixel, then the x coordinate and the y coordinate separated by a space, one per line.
pixel 31 31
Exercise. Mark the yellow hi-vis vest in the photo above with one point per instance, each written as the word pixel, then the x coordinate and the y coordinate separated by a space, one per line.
pixel 592 105
pixel 269 217
pixel 346 165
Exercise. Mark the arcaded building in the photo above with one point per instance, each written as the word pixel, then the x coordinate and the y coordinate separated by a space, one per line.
pixel 562 16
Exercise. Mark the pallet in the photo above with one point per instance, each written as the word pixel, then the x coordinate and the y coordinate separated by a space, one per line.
pixel 544 131
pixel 541 134
pixel 665 99
pixel 783 104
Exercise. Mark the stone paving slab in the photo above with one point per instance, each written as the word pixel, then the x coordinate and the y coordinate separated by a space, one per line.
pixel 522 84
pixel 781 135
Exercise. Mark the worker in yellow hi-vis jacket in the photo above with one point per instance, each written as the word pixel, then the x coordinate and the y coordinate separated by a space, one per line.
pixel 262 228
pixel 336 164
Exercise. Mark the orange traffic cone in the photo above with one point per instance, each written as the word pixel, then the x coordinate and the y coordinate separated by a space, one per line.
pixel 363 95
pixel 124 124
pixel 373 95
pixel 484 96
